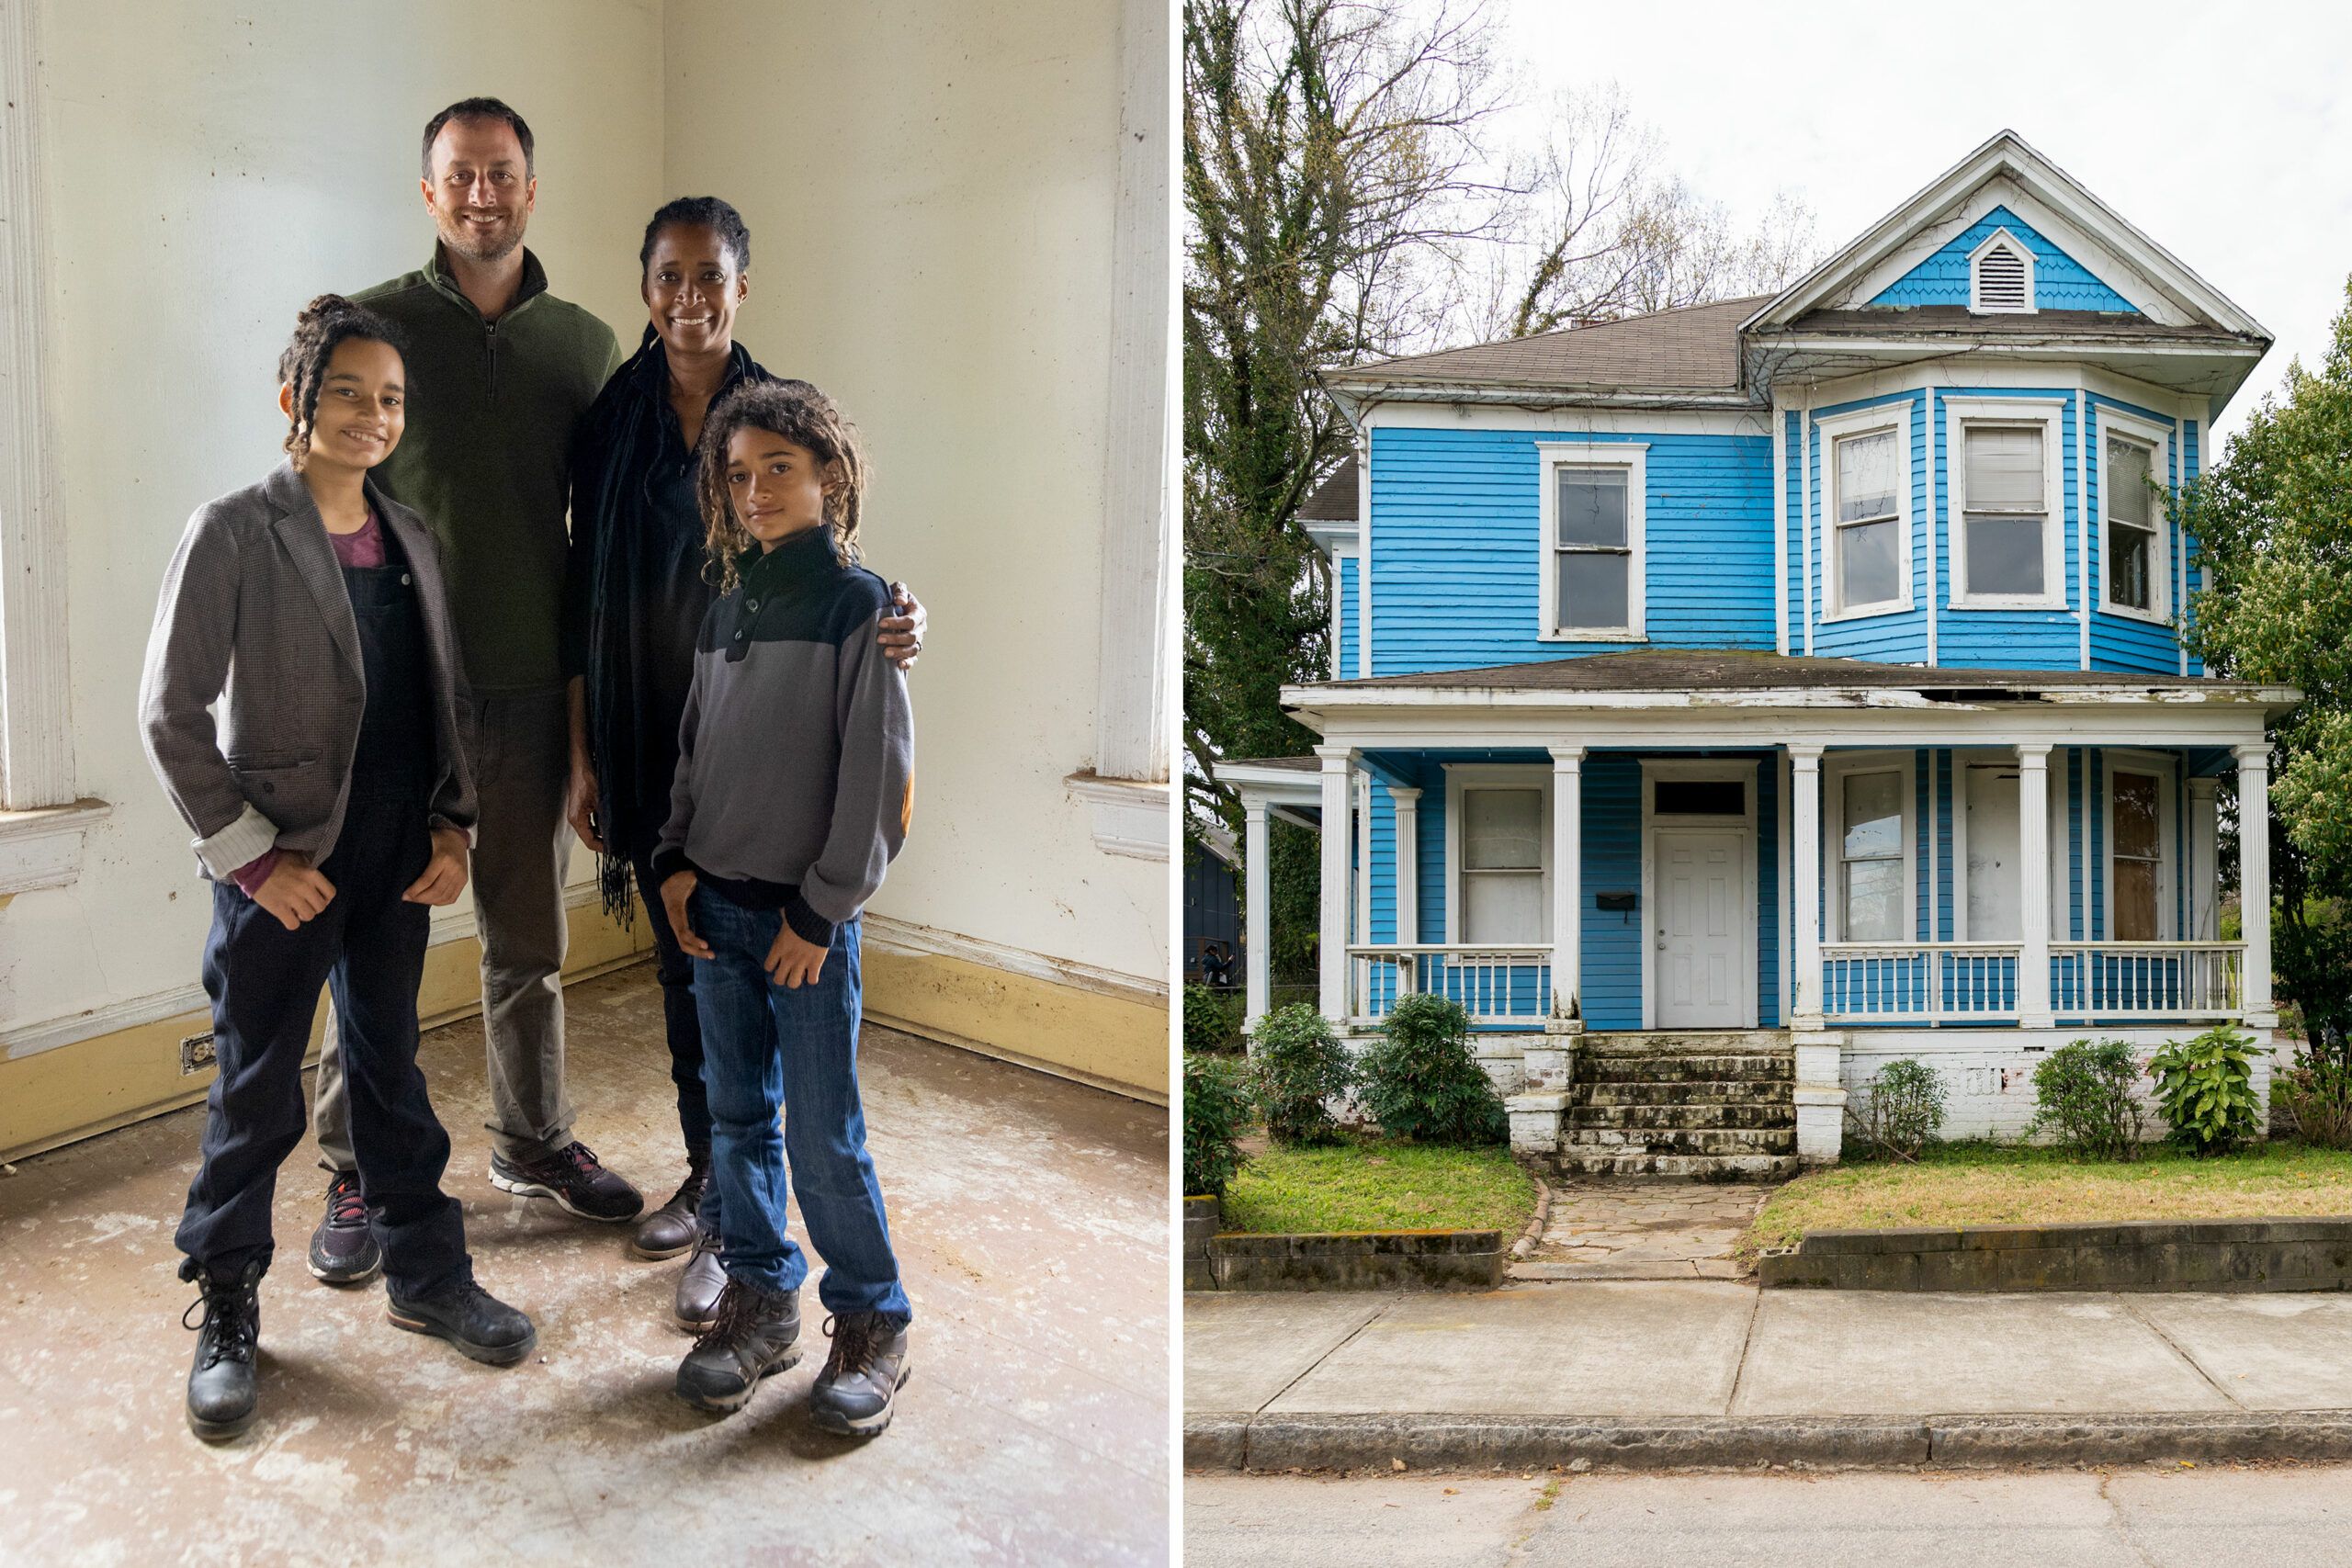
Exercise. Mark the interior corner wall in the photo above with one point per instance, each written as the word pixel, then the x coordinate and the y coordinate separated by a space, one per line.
pixel 932 192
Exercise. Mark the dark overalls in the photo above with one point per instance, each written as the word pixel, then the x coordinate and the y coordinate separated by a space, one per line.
pixel 369 944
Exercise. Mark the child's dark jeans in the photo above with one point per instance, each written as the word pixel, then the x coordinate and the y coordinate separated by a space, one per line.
pixel 768 1048
pixel 368 946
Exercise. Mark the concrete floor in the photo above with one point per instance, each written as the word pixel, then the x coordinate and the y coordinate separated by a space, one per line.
pixel 1636 1228
pixel 1031 1218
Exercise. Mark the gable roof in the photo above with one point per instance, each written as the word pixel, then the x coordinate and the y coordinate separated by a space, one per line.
pixel 2158 283
pixel 1691 349
pixel 1333 500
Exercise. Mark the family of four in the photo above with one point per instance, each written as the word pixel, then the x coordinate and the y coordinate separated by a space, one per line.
pixel 387 666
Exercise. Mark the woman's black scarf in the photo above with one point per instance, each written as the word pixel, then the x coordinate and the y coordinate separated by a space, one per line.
pixel 619 445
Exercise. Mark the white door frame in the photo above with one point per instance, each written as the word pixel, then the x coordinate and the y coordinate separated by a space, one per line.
pixel 1700 768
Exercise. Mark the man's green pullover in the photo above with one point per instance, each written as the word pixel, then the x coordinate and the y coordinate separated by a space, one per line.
pixel 487 456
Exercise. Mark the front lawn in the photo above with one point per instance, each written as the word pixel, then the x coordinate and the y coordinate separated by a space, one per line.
pixel 1964 1184
pixel 1374 1184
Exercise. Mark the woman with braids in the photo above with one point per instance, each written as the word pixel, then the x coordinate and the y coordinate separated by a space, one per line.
pixel 635 595
pixel 332 805
pixel 793 790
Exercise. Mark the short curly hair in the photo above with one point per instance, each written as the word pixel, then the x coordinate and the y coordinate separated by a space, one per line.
pixel 734 234
pixel 325 321
pixel 804 416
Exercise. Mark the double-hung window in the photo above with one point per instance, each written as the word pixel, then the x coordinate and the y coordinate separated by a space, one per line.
pixel 2135 568
pixel 1502 866
pixel 2010 551
pixel 1869 553
pixel 1872 888
pixel 1593 521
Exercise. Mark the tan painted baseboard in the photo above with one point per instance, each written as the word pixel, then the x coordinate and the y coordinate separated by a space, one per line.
pixel 1115 1042
pixel 111 1080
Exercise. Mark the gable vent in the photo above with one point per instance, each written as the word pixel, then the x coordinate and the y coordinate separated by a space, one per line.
pixel 2001 280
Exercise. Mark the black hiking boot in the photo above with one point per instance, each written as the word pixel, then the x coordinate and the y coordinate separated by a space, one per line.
pixel 480 1326
pixel 221 1382
pixel 753 1337
pixel 869 1365
pixel 575 1178
pixel 343 1250
pixel 672 1228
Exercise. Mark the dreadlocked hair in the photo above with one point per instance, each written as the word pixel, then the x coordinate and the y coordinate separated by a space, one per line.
pixel 804 416
pixel 325 321
pixel 734 234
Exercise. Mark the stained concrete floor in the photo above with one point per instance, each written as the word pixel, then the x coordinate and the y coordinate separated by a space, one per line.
pixel 1643 1228
pixel 1031 1219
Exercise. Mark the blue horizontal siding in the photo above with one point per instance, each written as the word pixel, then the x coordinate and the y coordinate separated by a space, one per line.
pixel 2008 639
pixel 1612 863
pixel 1456 558
pixel 1897 636
pixel 2060 282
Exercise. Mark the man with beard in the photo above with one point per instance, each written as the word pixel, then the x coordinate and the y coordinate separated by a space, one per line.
pixel 500 371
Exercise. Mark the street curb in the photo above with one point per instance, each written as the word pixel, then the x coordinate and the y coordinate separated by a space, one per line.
pixel 1238 1441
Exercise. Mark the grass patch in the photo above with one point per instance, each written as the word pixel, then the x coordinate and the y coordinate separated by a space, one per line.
pixel 1980 1184
pixel 1376 1184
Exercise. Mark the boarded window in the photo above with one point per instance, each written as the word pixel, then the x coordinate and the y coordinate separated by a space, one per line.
pixel 2131 538
pixel 2139 856
pixel 1869 538
pixel 1502 866
pixel 2007 513
pixel 1870 858
pixel 1593 551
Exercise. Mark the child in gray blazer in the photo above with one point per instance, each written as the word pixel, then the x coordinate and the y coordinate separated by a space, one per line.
pixel 332 807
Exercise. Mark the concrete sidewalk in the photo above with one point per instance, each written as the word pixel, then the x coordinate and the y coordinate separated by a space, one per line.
pixel 1667 1372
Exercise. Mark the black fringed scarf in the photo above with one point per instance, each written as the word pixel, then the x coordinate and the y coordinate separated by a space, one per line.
pixel 627 549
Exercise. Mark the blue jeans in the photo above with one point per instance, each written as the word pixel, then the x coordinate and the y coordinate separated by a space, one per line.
pixel 768 1049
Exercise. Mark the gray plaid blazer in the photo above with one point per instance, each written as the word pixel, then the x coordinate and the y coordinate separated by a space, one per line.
pixel 254 613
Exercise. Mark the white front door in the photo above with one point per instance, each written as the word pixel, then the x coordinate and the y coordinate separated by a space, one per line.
pixel 1991 832
pixel 1705 929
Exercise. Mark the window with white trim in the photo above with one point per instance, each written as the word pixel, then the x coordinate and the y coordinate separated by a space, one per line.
pixel 1867 545
pixel 1872 892
pixel 2133 542
pixel 2000 276
pixel 1593 521
pixel 2009 551
pixel 2137 875
pixel 1502 866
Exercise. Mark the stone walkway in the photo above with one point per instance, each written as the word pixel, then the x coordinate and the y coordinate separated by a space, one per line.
pixel 1644 1230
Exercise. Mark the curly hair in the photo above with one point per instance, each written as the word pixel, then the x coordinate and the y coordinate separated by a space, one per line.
pixel 803 415
pixel 325 321
pixel 734 234
pixel 466 109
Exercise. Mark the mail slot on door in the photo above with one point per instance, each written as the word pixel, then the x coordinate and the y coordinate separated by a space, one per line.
pixel 1616 903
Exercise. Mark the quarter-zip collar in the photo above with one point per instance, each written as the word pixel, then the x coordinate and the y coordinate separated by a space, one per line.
pixel 534 284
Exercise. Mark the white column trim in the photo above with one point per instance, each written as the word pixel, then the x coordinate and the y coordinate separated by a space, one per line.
pixel 2204 861
pixel 1363 554
pixel 1779 526
pixel 2034 887
pixel 1804 540
pixel 1933 575
pixel 2083 515
pixel 1408 802
pixel 1257 945
pixel 1331 927
pixel 1362 884
pixel 1804 811
pixel 1567 883
pixel 35 694
pixel 2254 880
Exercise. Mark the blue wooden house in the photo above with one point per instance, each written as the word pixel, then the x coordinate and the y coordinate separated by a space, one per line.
pixel 1733 699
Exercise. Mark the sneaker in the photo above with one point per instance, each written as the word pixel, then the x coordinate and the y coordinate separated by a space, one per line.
pixel 753 1337
pixel 343 1249
pixel 862 1377
pixel 696 1307
pixel 573 1176
pixel 672 1228
pixel 480 1326
pixel 220 1381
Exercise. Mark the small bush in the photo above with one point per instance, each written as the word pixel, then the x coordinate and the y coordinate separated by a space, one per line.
pixel 1900 1108
pixel 1216 1106
pixel 2205 1087
pixel 1420 1081
pixel 1299 1065
pixel 2316 1094
pixel 2083 1095
pixel 1212 1022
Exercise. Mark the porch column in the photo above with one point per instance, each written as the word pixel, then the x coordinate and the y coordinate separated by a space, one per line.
pixel 2204 863
pixel 2034 887
pixel 1408 802
pixel 1567 881
pixel 1331 930
pixel 2254 881
pixel 1256 944
pixel 1805 870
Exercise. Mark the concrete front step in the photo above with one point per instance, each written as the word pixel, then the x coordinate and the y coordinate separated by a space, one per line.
pixel 1737 1168
pixel 1679 1141
pixel 1700 1116
pixel 1769 1091
pixel 1746 1067
pixel 1687 1042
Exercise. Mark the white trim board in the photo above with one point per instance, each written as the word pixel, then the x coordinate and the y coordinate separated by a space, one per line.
pixel 1567 422
pixel 908 937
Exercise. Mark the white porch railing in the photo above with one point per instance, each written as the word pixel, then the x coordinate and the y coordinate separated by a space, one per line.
pixel 2147 979
pixel 1495 985
pixel 1918 982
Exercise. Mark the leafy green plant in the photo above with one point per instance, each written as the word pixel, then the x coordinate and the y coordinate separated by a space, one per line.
pixel 1212 1022
pixel 1900 1108
pixel 2205 1087
pixel 2083 1098
pixel 2316 1094
pixel 1299 1066
pixel 1422 1082
pixel 1216 1106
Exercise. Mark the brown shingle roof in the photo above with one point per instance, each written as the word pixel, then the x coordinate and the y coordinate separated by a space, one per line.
pixel 1940 319
pixel 1333 500
pixel 1694 348
pixel 1656 669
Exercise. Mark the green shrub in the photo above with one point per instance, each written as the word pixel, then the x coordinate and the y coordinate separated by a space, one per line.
pixel 1900 1108
pixel 2205 1087
pixel 1420 1081
pixel 1212 1022
pixel 1297 1066
pixel 2083 1097
pixel 2316 1094
pixel 1216 1106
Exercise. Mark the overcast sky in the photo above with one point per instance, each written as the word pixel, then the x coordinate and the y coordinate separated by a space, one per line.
pixel 2223 132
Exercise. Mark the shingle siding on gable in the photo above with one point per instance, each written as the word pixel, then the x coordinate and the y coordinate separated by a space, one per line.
pixel 2060 282
pixel 1456 558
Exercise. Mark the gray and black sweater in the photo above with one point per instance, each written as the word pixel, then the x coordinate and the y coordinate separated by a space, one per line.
pixel 796 757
